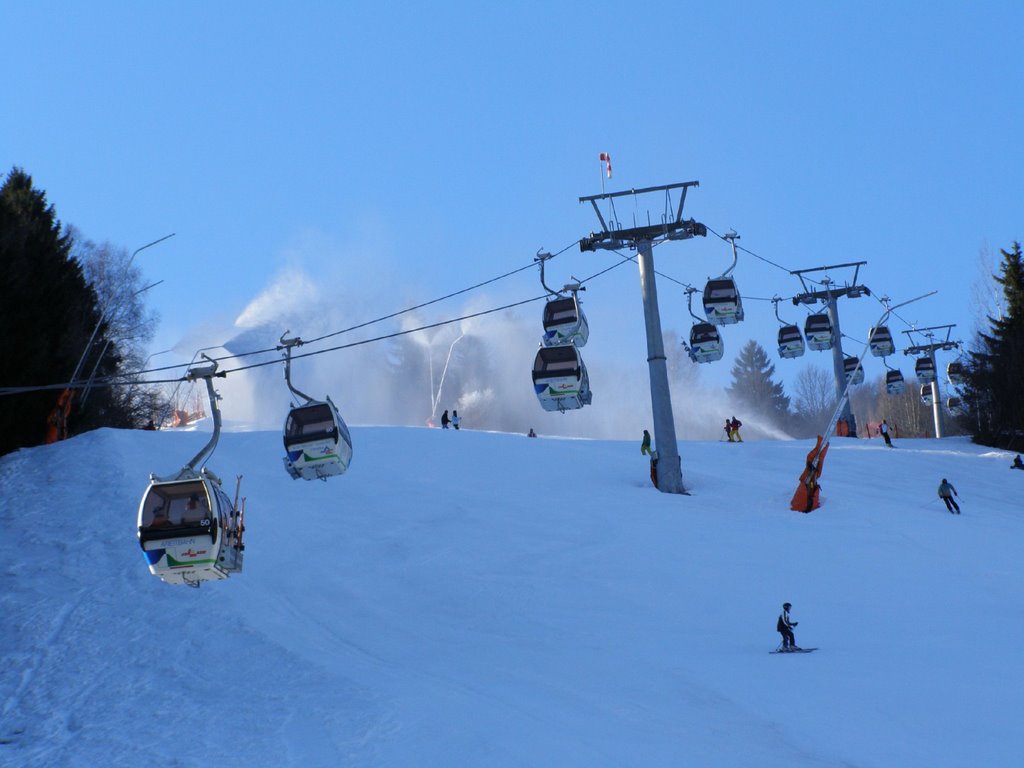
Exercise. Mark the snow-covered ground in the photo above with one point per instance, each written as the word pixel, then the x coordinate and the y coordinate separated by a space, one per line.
pixel 481 599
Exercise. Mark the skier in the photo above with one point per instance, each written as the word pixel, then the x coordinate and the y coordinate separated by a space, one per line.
pixel 645 444
pixel 736 424
pixel 784 626
pixel 531 433
pixel 946 493
pixel 455 419
pixel 445 420
pixel 884 430
pixel 728 430
pixel 1017 463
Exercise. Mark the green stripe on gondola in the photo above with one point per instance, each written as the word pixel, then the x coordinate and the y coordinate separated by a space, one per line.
pixel 187 563
pixel 307 457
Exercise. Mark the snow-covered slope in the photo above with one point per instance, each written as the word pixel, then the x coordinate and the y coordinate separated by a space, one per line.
pixel 480 599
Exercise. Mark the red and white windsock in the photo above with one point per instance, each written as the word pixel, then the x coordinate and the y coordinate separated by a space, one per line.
pixel 607 159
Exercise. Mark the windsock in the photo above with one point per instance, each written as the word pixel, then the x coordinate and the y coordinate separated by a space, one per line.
pixel 606 158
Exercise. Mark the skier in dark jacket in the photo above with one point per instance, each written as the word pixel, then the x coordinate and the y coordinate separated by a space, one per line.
pixel 784 627
pixel 946 493
pixel 445 420
pixel 1017 463
pixel 736 424
pixel 645 444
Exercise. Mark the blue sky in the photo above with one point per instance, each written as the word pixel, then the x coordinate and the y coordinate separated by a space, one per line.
pixel 400 152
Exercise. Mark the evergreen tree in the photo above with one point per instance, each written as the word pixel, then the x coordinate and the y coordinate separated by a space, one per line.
pixel 47 313
pixel 752 385
pixel 992 391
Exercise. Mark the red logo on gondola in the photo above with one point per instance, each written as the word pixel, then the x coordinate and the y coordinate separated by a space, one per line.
pixel 189 553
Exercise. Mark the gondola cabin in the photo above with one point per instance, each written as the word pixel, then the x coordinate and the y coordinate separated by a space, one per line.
pixel 894 384
pixel 854 370
pixel 189 530
pixel 705 343
pixel 956 406
pixel 560 379
pixel 722 303
pixel 565 323
pixel 880 342
pixel 317 442
pixel 818 331
pixel 925 370
pixel 926 394
pixel 955 373
pixel 791 342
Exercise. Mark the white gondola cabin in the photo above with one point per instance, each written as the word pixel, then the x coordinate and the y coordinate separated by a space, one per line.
pixel 926 394
pixel 560 379
pixel 189 530
pixel 894 384
pixel 955 373
pixel 854 370
pixel 317 442
pixel 791 342
pixel 925 370
pixel 705 343
pixel 565 323
pixel 722 303
pixel 955 406
pixel 818 331
pixel 880 342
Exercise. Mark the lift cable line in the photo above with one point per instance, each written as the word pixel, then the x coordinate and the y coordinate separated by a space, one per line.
pixel 111 382
pixel 345 330
pixel 133 378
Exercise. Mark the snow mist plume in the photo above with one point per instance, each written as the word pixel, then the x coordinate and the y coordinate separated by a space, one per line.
pixel 479 366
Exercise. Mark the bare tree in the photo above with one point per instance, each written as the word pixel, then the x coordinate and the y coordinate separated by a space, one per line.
pixel 129 324
pixel 814 400
pixel 987 300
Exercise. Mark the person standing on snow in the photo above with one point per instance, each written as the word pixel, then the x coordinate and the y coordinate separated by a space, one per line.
pixel 645 444
pixel 1017 463
pixel 728 430
pixel 784 626
pixel 884 430
pixel 946 493
pixel 445 420
pixel 455 419
pixel 735 425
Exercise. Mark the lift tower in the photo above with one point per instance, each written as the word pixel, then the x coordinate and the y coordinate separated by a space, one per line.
pixel 828 297
pixel 929 350
pixel 642 239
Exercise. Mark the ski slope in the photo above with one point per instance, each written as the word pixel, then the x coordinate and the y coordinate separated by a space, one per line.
pixel 484 599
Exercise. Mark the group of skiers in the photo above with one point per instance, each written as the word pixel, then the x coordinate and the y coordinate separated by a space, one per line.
pixel 732 430
pixel 454 420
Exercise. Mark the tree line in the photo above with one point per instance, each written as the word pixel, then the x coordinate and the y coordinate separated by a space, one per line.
pixel 70 309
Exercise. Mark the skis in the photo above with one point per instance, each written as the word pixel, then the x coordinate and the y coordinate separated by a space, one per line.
pixel 794 650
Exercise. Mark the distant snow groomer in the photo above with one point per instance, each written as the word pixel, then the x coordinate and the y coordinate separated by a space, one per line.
pixel 784 626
